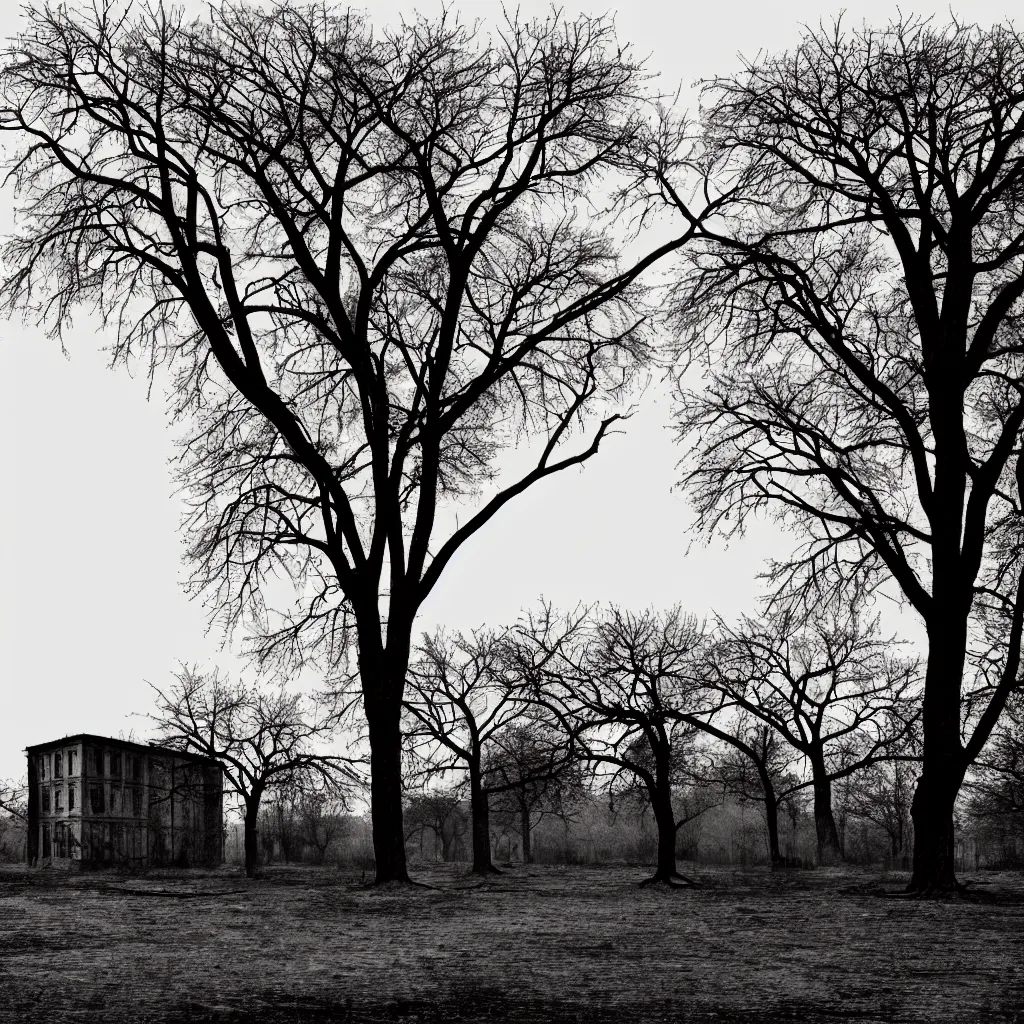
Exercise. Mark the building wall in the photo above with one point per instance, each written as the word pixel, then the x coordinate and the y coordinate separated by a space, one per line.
pixel 99 801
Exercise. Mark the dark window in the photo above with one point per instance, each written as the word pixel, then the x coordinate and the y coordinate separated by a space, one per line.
pixel 47 852
pixel 115 764
pixel 72 762
pixel 58 800
pixel 96 799
pixel 137 802
pixel 60 841
pixel 98 762
pixel 58 765
pixel 136 767
pixel 42 767
pixel 71 798
pixel 46 799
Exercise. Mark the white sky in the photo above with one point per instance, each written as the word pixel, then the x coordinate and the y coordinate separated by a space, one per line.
pixel 91 604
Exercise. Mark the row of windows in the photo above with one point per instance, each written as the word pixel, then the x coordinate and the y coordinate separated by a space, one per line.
pixel 119 801
pixel 54 764
pixel 99 841
pixel 60 842
pixel 98 762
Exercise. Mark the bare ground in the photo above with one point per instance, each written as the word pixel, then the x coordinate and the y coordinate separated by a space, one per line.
pixel 544 944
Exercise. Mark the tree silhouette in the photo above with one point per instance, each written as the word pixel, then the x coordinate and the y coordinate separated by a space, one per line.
pixel 373 260
pixel 262 738
pixel 861 323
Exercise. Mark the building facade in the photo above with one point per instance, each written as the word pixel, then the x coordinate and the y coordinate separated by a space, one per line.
pixel 96 801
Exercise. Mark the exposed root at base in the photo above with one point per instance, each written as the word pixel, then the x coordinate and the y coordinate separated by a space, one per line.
pixel 400 884
pixel 673 881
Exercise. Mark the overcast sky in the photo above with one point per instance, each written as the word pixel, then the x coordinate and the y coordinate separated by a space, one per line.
pixel 91 602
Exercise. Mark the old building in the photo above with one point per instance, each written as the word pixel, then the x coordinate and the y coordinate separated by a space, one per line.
pixel 95 801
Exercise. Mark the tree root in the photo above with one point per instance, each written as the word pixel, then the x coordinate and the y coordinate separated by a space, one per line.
pixel 397 884
pixel 674 881
pixel 485 872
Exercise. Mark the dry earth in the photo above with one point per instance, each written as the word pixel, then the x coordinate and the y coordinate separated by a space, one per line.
pixel 545 944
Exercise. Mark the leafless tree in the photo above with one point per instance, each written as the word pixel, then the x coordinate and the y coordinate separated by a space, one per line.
pixel 753 763
pixel 861 319
pixel 624 684
pixel 374 260
pixel 882 794
pixel 828 687
pixel 439 811
pixel 14 799
pixel 321 815
pixel 460 696
pixel 535 770
pixel 263 738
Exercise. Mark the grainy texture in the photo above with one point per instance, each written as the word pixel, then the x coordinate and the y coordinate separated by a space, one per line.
pixel 538 945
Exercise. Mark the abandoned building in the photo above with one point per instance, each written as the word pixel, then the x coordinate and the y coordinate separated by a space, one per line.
pixel 97 801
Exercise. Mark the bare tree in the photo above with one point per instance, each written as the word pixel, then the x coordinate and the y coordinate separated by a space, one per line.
pixel 882 794
pixel 322 819
pixel 438 811
pixel 535 770
pixel 829 688
pixel 262 738
pixel 374 260
pixel 460 696
pixel 861 320
pixel 753 764
pixel 14 799
pixel 624 684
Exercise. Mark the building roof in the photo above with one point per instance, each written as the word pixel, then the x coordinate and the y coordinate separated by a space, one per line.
pixel 142 748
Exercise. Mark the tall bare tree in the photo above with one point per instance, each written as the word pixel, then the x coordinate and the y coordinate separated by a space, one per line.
pixel 753 763
pixel 624 684
pixel 862 322
pixel 374 261
pixel 535 769
pixel 460 697
pixel 829 688
pixel 438 811
pixel 263 739
pixel 882 794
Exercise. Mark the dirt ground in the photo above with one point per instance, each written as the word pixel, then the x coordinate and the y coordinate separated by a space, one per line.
pixel 541 944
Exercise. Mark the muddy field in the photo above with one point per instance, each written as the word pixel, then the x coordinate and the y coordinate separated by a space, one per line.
pixel 539 945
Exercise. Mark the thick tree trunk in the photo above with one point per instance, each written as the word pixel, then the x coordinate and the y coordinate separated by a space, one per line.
pixel 524 813
pixel 829 847
pixel 943 765
pixel 664 817
pixel 771 817
pixel 482 864
pixel 383 719
pixel 251 836
pixel 771 813
pixel 932 813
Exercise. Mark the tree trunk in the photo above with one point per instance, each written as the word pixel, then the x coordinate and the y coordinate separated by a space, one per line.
pixel 771 817
pixel 251 841
pixel 943 767
pixel 932 814
pixel 771 813
pixel 829 847
pixel 482 864
pixel 524 812
pixel 383 719
pixel 661 805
